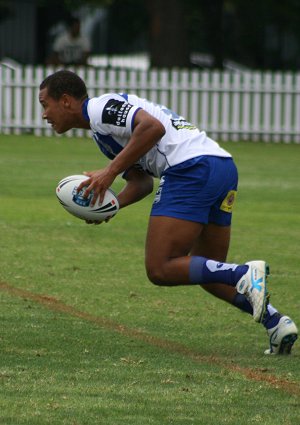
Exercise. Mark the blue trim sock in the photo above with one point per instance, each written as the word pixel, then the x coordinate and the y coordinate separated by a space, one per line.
pixel 271 318
pixel 272 315
pixel 205 271
pixel 241 302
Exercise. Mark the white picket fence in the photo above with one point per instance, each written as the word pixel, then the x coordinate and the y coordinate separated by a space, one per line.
pixel 229 106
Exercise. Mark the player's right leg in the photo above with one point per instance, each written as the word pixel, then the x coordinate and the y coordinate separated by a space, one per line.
pixel 281 330
pixel 169 240
pixel 214 243
pixel 191 195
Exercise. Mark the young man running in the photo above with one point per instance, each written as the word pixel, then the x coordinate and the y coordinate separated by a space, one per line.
pixel 190 221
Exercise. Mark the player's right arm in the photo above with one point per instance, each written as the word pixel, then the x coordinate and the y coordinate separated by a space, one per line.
pixel 138 185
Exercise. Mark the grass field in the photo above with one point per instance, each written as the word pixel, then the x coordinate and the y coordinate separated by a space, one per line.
pixel 86 339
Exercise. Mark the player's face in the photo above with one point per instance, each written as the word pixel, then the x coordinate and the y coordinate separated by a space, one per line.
pixel 56 112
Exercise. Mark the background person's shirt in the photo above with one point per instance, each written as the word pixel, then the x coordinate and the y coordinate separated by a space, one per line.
pixel 71 50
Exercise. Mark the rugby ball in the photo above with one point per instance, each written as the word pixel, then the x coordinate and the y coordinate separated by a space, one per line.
pixel 77 205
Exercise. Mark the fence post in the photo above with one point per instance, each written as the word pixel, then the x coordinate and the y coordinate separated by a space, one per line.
pixel 1 77
pixel 2 65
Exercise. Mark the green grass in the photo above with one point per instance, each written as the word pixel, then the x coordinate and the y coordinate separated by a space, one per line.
pixel 91 341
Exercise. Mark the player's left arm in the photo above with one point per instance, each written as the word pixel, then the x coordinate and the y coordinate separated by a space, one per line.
pixel 138 185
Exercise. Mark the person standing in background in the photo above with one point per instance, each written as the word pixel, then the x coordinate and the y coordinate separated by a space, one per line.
pixel 70 47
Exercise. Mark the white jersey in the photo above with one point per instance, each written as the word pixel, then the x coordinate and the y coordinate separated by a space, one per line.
pixel 71 50
pixel 111 119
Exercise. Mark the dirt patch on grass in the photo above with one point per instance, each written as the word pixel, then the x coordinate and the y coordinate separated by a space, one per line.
pixel 258 375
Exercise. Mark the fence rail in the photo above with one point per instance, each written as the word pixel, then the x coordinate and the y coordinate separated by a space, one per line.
pixel 229 106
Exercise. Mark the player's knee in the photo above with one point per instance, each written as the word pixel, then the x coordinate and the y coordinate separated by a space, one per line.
pixel 156 275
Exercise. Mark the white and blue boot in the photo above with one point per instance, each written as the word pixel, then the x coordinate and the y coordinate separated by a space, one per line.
pixel 282 336
pixel 253 285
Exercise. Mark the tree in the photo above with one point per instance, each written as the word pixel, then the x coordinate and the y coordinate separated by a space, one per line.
pixel 168 44
pixel 206 28
pixel 5 11
pixel 259 34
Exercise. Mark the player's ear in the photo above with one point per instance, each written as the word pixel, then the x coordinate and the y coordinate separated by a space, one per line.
pixel 66 100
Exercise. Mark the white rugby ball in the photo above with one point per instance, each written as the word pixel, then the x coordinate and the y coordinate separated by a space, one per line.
pixel 76 204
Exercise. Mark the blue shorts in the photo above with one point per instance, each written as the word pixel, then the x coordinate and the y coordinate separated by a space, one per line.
pixel 202 189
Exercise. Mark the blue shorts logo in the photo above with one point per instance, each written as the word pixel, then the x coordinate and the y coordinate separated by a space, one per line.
pixel 159 190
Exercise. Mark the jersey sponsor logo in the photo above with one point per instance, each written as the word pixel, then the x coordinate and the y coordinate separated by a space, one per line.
pixel 182 124
pixel 228 202
pixel 115 112
pixel 177 121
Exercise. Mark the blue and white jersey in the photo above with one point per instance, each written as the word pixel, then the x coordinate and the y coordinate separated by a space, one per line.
pixel 111 119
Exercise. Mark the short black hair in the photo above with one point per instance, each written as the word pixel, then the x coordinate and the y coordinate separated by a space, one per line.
pixel 64 82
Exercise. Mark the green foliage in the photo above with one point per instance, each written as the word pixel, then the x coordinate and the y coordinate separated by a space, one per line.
pixel 5 11
pixel 73 4
pixel 257 34
pixel 86 339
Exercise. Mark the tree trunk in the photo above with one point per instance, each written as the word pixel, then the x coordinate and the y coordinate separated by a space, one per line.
pixel 168 39
pixel 213 13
